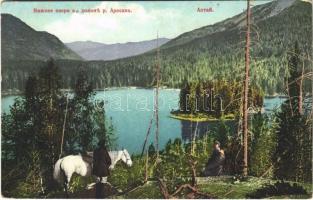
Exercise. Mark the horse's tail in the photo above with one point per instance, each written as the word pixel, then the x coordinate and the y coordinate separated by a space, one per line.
pixel 57 170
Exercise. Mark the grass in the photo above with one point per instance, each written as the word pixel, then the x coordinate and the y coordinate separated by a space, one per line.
pixel 218 187
pixel 229 189
pixel 174 169
pixel 148 191
pixel 200 117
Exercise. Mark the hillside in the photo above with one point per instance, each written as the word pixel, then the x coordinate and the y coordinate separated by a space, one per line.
pixel 21 42
pixel 206 55
pixel 99 51
pixel 259 13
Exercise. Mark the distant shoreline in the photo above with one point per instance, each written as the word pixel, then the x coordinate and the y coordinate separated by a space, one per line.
pixel 11 93
pixel 18 92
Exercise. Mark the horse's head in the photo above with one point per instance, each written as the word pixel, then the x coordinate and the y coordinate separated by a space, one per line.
pixel 126 158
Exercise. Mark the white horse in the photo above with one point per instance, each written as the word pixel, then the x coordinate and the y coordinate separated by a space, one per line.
pixel 65 167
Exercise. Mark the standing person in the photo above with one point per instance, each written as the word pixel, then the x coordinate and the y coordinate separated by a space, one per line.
pixel 101 164
pixel 214 166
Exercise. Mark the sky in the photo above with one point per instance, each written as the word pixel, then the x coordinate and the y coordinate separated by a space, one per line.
pixel 168 19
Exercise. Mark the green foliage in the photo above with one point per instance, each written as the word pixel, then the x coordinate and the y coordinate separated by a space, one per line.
pixel 233 156
pixel 293 155
pixel 151 149
pixel 81 120
pixel 32 131
pixel 86 123
pixel 175 160
pixel 262 146
pixel 148 191
pixel 293 159
pixel 15 134
pixel 31 186
pixel 222 133
pixel 294 142
pixel 79 183
pixel 173 165
pixel 40 114
pixel 279 188
pixel 123 177
pixel 83 87
pixel 216 98
pixel 221 187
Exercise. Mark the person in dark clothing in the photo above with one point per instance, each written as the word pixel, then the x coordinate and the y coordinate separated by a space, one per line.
pixel 214 166
pixel 101 164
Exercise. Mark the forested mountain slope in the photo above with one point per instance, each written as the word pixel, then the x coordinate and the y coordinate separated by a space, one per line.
pixel 21 42
pixel 206 55
pixel 259 13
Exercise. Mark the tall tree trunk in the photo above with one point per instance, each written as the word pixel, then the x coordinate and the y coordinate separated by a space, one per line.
pixel 311 62
pixel 63 128
pixel 157 98
pixel 300 100
pixel 310 57
pixel 146 166
pixel 147 135
pixel 288 91
pixel 246 89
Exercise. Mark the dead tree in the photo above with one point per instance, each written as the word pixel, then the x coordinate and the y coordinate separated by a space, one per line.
pixel 194 192
pixel 288 91
pixel 193 164
pixel 157 98
pixel 300 101
pixel 246 89
pixel 146 167
pixel 147 135
pixel 63 128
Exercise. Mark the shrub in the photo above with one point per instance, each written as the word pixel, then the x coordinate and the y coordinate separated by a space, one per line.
pixel 279 188
pixel 263 145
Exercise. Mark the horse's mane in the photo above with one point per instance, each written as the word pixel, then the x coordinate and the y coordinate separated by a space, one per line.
pixel 113 154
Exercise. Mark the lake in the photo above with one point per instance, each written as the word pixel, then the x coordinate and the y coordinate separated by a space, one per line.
pixel 131 111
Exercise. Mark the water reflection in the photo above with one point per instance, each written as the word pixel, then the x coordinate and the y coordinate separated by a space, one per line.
pixel 199 129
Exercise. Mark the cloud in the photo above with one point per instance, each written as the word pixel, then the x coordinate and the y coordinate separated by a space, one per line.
pixel 169 18
pixel 140 24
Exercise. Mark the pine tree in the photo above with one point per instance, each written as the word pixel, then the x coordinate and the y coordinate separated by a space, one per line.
pixel 263 143
pixel 81 116
pixel 49 115
pixel 183 101
pixel 293 136
pixel 87 123
pixel 32 131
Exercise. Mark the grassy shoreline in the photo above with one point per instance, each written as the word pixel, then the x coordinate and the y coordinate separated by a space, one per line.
pixel 200 117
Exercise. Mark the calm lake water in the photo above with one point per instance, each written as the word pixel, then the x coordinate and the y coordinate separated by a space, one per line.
pixel 131 111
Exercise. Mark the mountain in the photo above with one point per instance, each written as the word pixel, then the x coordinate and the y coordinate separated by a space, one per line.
pixel 214 52
pixel 259 13
pixel 21 42
pixel 98 51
